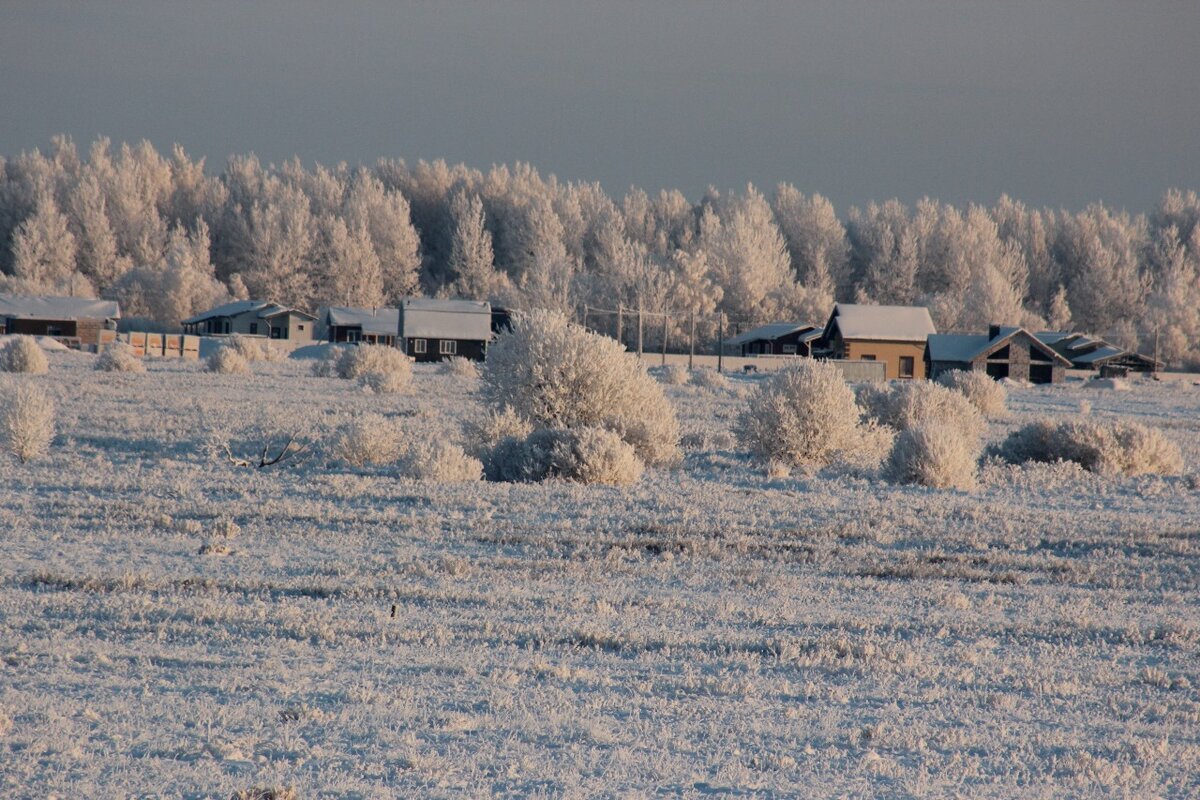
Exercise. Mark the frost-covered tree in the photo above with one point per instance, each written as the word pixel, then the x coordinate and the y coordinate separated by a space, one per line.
pixel 385 217
pixel 1098 252
pixel 817 244
pixel 43 248
pixel 176 287
pixel 351 274
pixel 1173 324
pixel 470 265
pixel 884 254
pixel 748 257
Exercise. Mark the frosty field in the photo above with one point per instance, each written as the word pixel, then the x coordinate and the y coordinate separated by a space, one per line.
pixel 173 625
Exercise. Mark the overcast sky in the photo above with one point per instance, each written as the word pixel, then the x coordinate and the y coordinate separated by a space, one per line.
pixel 1055 103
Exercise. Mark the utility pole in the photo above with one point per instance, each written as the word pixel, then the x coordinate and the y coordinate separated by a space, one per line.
pixel 720 341
pixel 620 340
pixel 666 332
pixel 691 338
pixel 585 316
pixel 1155 372
pixel 639 327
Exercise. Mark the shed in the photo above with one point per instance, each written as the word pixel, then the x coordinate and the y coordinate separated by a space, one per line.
pixel 1003 352
pixel 75 321
pixel 777 338
pixel 895 335
pixel 431 330
pixel 1094 353
pixel 371 325
pixel 253 318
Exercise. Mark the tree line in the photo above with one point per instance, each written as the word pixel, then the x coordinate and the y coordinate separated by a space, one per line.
pixel 167 239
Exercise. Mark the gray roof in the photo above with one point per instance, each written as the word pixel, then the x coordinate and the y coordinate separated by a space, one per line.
pixel 884 323
pixel 1102 353
pixel 775 330
pixel 426 318
pixel 64 308
pixel 966 347
pixel 379 321
pixel 262 309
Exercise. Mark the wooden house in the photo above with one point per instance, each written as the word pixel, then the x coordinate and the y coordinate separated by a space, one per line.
pixel 778 338
pixel 75 321
pixel 895 335
pixel 253 318
pixel 370 325
pixel 432 330
pixel 1002 352
pixel 1093 353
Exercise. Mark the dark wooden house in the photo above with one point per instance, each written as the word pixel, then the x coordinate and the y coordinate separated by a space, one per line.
pixel 253 318
pixel 370 325
pixel 776 339
pixel 75 321
pixel 1002 352
pixel 433 330
pixel 1093 353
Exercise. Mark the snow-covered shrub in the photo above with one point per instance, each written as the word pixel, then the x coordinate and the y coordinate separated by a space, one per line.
pixel 557 374
pixel 1110 447
pixel 582 455
pixel 440 461
pixel 119 357
pixel 26 420
pixel 227 361
pixel 707 439
pixel 327 365
pixel 354 362
pixel 986 394
pixel 384 382
pixel 460 367
pixel 937 455
pixel 674 375
pixel 803 415
pixel 22 354
pixel 495 426
pixel 912 403
pixel 710 379
pixel 871 447
pixel 370 439
pixel 254 349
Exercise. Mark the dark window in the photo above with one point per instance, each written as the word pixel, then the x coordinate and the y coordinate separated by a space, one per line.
pixel 1041 373
pixel 789 349
pixel 866 357
pixel 300 327
pixel 999 355
pixel 1038 355
pixel 997 371
pixel 418 345
pixel 907 365
pixel 447 347
pixel 253 328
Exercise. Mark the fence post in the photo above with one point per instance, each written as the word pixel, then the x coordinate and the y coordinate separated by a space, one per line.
pixel 720 341
pixel 691 338
pixel 585 316
pixel 639 327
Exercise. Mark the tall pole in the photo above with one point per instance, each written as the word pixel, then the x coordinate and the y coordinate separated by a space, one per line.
pixel 691 338
pixel 720 341
pixel 666 332
pixel 1155 351
pixel 585 316
pixel 620 340
pixel 639 327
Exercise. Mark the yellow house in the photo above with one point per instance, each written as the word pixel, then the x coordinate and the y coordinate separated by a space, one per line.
pixel 895 335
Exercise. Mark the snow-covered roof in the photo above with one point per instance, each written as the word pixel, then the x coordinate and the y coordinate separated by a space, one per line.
pixel 966 347
pixel 446 319
pixel 262 309
pixel 1102 353
pixel 775 330
pixel 380 321
pixel 64 308
pixel 885 323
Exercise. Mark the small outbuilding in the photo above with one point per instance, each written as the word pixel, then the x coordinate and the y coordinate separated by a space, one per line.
pixel 778 338
pixel 895 335
pixel 253 318
pixel 1002 352
pixel 1093 353
pixel 75 321
pixel 432 330
pixel 369 325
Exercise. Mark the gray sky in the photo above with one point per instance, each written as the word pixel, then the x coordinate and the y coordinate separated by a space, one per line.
pixel 1053 102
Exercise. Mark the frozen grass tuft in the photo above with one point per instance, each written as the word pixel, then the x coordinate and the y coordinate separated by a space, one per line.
pixel 559 375
pixel 361 359
pixel 119 357
pixel 440 461
pixel 253 349
pixel 227 361
pixel 1109 447
pixel 582 455
pixel 460 367
pixel 907 405
pixel 22 354
pixel 935 455
pixel 381 381
pixel 710 380
pixel 370 439
pixel 986 394
pixel 26 420
pixel 674 375
pixel 493 428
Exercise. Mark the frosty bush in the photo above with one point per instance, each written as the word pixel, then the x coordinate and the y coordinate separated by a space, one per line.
pixel 227 361
pixel 119 357
pixel 674 375
pixel 441 461
pixel 907 405
pixel 370 439
pixel 710 379
pixel 803 416
pixel 327 365
pixel 253 349
pixel 932 454
pixel 26 420
pixel 582 455
pixel 22 354
pixel 556 374
pixel 383 382
pixel 870 449
pixel 986 394
pixel 1112 447
pixel 495 427
pixel 355 362
pixel 460 367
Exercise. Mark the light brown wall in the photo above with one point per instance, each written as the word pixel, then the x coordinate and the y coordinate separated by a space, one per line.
pixel 889 353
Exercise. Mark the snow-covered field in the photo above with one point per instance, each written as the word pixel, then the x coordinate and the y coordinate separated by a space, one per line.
pixel 708 631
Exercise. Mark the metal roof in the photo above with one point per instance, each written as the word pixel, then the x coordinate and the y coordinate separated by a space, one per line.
pixel 64 308
pixel 966 347
pixel 883 323
pixel 774 330
pixel 379 321
pixel 264 308
pixel 426 318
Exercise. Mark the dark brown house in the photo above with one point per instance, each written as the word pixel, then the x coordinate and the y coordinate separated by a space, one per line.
pixel 75 321
pixel 433 330
pixel 1092 353
pixel 776 339
pixel 1002 352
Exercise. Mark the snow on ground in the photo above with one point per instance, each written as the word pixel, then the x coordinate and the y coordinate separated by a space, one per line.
pixel 709 631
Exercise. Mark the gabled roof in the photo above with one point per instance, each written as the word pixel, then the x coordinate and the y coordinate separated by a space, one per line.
pixel 966 347
pixel 423 317
pixel 775 330
pixel 1088 351
pixel 448 306
pixel 380 321
pixel 64 308
pixel 881 323
pixel 263 309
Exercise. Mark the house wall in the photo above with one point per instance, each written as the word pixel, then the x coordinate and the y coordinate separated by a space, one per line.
pixel 466 348
pixel 887 352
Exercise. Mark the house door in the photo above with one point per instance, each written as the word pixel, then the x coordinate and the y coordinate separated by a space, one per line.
pixel 1041 373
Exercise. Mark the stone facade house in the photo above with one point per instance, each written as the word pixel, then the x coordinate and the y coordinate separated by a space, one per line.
pixel 1002 352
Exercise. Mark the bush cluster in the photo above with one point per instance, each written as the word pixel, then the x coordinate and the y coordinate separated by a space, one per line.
pixel 1109 447
pixel 119 357
pixel 460 367
pixel 986 394
pixel 26 420
pixel 23 354
pixel 581 455
pixel 227 360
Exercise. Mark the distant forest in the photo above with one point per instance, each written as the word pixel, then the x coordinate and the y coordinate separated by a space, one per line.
pixel 167 239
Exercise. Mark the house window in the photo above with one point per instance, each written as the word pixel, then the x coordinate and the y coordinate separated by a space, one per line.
pixel 447 347
pixel 300 327
pixel 253 328
pixel 789 349
pixel 907 365
pixel 352 335
pixel 418 345
pixel 866 357
pixel 276 333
